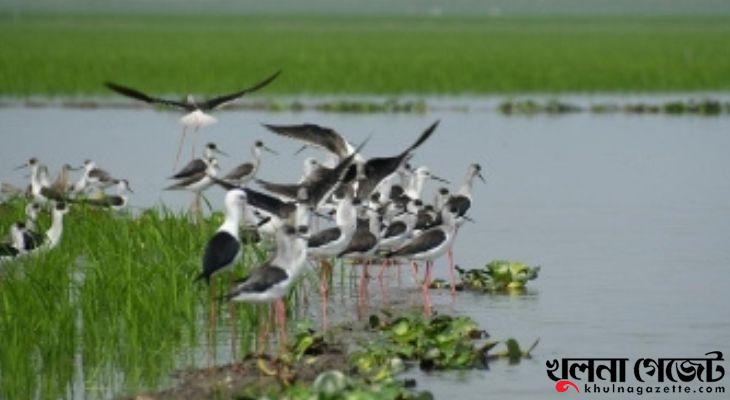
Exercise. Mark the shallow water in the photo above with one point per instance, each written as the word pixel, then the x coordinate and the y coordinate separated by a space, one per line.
pixel 628 215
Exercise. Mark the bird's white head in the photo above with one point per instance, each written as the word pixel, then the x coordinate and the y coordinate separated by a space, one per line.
pixel 32 210
pixel 235 198
pixel 258 147
pixel 476 170
pixel 123 186
pixel 89 165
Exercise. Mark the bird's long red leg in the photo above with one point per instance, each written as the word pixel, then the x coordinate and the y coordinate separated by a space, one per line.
pixel 281 316
pixel 213 311
pixel 452 273
pixel 232 319
pixel 263 329
pixel 414 267
pixel 179 147
pixel 323 293
pixel 383 287
pixel 425 288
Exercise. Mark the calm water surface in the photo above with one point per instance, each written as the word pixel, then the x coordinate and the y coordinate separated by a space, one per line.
pixel 628 215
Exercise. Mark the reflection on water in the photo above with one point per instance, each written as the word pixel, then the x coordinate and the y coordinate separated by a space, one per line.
pixel 628 215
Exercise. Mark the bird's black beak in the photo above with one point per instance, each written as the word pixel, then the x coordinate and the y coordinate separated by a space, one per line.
pixel 224 154
pixel 438 178
pixel 323 216
pixel 270 150
pixel 263 222
pixel 301 149
pixel 469 219
pixel 479 174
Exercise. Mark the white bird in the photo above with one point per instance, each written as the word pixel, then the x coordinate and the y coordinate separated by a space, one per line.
pixel 429 246
pixel 53 235
pixel 462 200
pixel 196 116
pixel 197 183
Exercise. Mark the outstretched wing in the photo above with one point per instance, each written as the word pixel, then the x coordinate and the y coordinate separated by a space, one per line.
pixel 136 94
pixel 221 100
pixel 315 135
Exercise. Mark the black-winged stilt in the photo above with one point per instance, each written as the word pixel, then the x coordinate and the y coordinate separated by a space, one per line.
pixel 196 116
pixel 198 165
pixel 243 173
pixel 429 246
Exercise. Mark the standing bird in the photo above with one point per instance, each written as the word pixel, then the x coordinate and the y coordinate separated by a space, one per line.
pixel 60 188
pixel 463 198
pixel 243 173
pixel 195 117
pixel 429 246
pixel 363 245
pixel 32 238
pixel 199 164
pixel 415 187
pixel 38 178
pixel 53 234
pixel 197 183
pixel 93 177
pixel 271 281
pixel 224 247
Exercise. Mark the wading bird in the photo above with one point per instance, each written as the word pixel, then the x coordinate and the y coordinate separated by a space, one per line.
pixel 429 246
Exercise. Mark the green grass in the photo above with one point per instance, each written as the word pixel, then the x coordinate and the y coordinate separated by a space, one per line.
pixel 73 54
pixel 114 304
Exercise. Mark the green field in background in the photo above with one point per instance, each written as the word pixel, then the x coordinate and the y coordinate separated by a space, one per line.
pixel 71 55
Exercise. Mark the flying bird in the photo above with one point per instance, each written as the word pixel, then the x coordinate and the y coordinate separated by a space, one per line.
pixel 196 116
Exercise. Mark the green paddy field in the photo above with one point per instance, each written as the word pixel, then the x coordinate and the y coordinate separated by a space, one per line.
pixel 72 55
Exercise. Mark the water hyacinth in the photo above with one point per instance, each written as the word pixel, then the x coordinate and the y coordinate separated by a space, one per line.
pixel 498 275
pixel 441 343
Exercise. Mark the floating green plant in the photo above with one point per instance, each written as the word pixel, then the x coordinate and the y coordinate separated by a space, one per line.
pixel 498 275
pixel 441 343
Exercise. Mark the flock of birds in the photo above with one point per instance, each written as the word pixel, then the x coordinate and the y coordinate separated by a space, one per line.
pixel 379 214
